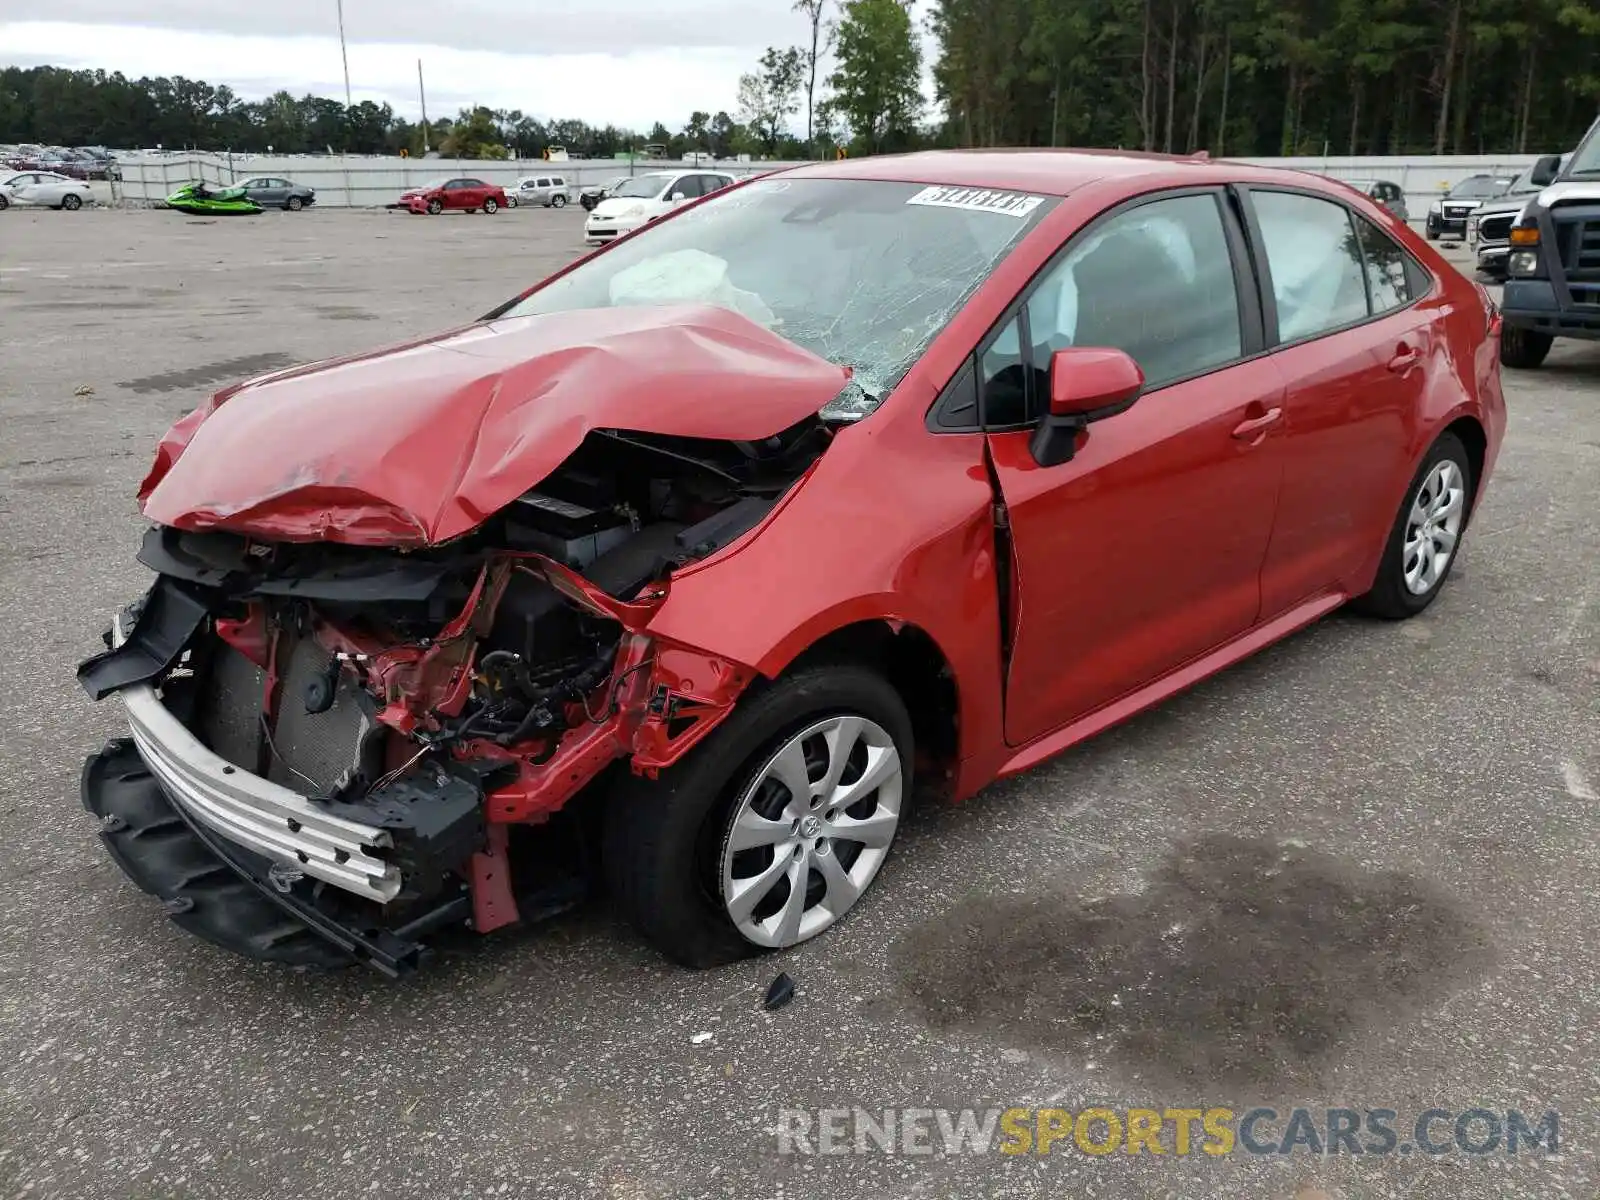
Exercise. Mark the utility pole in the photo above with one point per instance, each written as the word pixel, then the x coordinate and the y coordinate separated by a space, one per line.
pixel 344 54
pixel 423 95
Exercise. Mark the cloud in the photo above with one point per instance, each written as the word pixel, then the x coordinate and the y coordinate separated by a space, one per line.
pixel 632 63
pixel 631 88
pixel 548 27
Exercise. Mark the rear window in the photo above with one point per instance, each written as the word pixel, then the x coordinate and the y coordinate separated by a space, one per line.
pixel 1478 188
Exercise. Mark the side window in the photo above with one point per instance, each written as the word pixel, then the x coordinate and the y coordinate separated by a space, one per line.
pixel 1315 263
pixel 543 183
pixel 1156 281
pixel 1003 378
pixel 689 185
pixel 1388 281
pixel 558 181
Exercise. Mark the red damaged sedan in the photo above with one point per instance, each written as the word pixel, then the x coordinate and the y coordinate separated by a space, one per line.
pixel 677 571
pixel 457 195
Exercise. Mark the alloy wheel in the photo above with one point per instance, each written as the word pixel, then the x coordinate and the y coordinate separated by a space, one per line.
pixel 810 832
pixel 1433 527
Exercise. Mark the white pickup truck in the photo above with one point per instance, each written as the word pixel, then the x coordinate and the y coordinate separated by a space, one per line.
pixel 1553 262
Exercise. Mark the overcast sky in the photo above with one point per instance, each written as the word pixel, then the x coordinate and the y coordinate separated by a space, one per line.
pixel 631 62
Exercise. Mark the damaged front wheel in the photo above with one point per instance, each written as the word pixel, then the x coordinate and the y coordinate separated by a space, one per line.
pixel 771 830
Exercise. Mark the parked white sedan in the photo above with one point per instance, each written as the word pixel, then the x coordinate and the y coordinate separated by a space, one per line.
pixel 643 198
pixel 45 189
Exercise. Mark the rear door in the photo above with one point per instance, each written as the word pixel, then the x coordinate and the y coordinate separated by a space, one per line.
pixel 1353 349
pixel 1144 551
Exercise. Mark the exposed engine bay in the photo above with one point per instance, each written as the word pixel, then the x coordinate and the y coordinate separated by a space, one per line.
pixel 445 694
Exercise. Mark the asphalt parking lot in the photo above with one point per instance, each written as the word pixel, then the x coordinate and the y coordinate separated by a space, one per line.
pixel 1357 870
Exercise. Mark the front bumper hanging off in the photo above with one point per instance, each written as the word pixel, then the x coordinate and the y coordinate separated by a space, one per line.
pixel 221 892
pixel 235 857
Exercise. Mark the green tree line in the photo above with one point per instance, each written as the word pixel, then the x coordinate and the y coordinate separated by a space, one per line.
pixel 1266 77
pixel 55 106
pixel 1244 77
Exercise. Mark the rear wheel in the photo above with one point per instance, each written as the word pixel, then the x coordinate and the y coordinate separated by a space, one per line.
pixel 1427 533
pixel 771 830
pixel 491 206
pixel 295 204
pixel 435 207
pixel 1523 349
pixel 71 202
pixel 558 201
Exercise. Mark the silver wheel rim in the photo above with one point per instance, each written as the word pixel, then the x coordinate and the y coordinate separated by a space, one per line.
pixel 809 834
pixel 1433 527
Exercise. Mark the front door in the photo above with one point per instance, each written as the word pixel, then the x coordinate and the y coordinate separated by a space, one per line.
pixel 1144 551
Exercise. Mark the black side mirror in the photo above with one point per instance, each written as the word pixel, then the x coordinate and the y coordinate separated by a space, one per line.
pixel 1545 170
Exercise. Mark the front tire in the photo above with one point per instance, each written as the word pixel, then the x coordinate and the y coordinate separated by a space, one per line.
pixel 746 844
pixel 1523 349
pixel 1426 535
pixel 71 202
pixel 4 203
pixel 491 206
pixel 511 201
pixel 295 204
pixel 435 207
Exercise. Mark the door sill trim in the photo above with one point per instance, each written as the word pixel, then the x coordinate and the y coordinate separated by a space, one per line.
pixel 1191 673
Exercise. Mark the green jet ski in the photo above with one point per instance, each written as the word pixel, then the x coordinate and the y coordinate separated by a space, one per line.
pixel 201 200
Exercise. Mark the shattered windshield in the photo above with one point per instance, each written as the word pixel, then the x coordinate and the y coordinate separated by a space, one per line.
pixel 860 272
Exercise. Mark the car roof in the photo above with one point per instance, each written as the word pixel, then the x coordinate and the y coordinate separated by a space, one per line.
pixel 1049 172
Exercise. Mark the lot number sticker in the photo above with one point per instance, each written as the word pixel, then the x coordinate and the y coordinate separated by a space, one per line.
pixel 1010 204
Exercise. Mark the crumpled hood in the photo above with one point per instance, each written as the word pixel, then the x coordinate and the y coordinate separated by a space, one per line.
pixel 421 443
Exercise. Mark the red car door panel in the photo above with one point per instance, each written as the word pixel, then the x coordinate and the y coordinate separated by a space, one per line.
pixel 1142 552
pixel 1349 405
pixel 1353 384
pixel 1145 549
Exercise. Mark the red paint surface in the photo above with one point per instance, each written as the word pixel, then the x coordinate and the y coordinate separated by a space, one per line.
pixel 1186 532
pixel 423 442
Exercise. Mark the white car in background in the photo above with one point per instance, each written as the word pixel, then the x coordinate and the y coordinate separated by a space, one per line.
pixel 45 189
pixel 643 198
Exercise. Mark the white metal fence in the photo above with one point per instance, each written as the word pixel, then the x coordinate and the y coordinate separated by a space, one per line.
pixel 368 182
pixel 360 182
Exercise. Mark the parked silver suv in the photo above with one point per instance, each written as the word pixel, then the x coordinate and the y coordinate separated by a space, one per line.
pixel 551 191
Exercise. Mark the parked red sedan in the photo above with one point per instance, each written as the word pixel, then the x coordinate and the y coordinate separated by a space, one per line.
pixel 700 552
pixel 462 195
